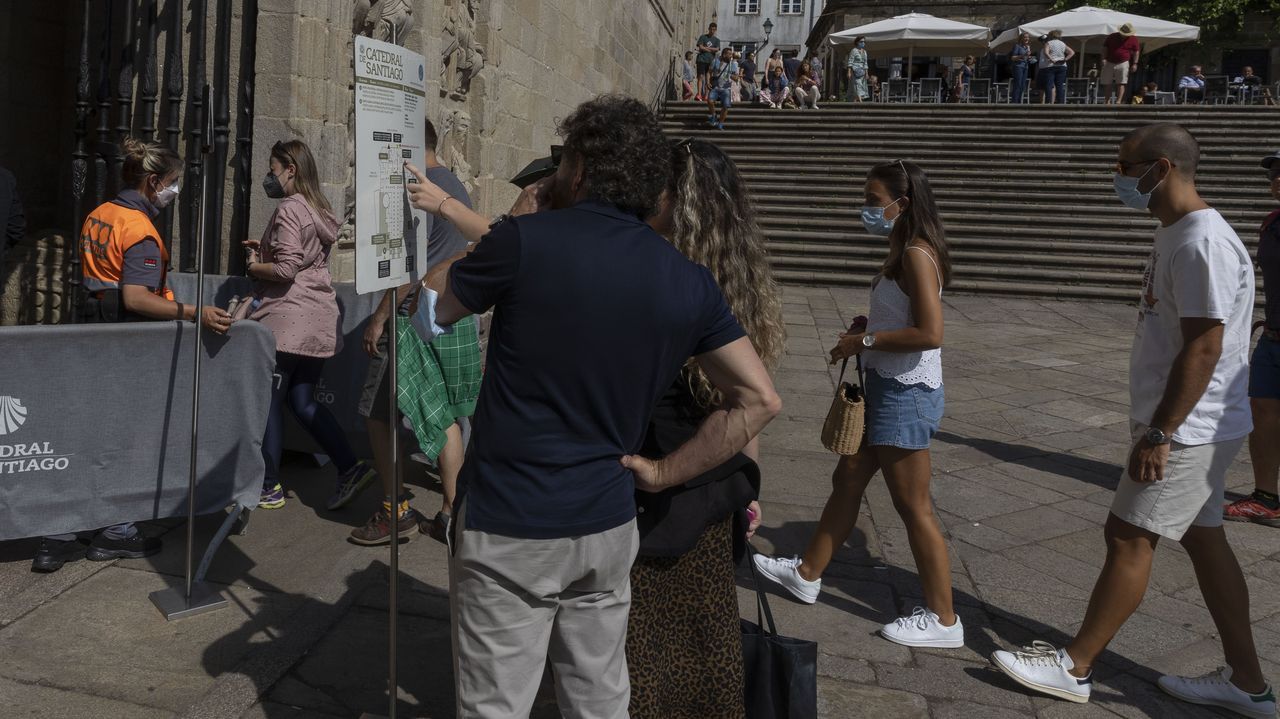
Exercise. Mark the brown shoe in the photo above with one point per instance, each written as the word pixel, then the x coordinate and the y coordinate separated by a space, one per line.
pixel 437 528
pixel 378 529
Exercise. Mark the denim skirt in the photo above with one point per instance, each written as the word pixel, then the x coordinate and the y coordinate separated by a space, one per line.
pixel 899 415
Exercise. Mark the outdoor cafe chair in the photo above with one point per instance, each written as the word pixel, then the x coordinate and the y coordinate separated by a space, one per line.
pixel 979 90
pixel 930 90
pixel 1079 90
pixel 1217 90
pixel 896 90
pixel 1000 92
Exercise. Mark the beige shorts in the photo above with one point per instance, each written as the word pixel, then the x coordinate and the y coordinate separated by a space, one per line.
pixel 1191 493
pixel 1115 74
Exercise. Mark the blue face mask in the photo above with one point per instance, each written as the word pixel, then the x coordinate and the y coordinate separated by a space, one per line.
pixel 1127 190
pixel 862 45
pixel 874 221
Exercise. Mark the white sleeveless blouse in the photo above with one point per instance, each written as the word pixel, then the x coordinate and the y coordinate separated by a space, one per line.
pixel 891 310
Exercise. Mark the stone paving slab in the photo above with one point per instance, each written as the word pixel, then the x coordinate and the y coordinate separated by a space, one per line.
pixel 1024 468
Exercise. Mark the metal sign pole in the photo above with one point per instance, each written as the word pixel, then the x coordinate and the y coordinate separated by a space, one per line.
pixel 195 597
pixel 393 598
pixel 393 588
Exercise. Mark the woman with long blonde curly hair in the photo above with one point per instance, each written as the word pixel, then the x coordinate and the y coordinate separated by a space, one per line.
pixel 684 647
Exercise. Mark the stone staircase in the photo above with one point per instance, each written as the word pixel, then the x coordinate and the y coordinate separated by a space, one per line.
pixel 1025 192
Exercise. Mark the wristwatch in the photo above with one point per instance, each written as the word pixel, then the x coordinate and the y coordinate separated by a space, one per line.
pixel 869 340
pixel 1156 436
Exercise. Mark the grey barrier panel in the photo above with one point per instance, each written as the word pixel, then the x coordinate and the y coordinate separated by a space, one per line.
pixel 343 378
pixel 95 423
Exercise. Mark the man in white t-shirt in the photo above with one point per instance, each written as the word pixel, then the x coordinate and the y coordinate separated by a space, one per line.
pixel 1189 416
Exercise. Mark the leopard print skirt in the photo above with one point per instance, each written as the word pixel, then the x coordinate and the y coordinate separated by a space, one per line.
pixel 684 643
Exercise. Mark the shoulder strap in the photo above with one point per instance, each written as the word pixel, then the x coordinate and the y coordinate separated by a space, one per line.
pixel 937 270
pixel 763 614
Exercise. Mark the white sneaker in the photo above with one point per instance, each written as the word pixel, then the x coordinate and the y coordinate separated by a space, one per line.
pixel 786 572
pixel 1045 669
pixel 1215 689
pixel 923 629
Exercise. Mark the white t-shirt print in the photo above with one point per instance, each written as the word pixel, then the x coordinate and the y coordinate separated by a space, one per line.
pixel 1198 268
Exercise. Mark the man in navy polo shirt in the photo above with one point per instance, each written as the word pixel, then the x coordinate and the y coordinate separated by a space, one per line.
pixel 594 315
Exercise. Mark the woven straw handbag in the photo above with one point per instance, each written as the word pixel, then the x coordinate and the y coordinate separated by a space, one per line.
pixel 846 420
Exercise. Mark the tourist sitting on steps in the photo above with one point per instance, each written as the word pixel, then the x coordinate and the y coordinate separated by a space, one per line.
pixel 806 90
pixel 776 91
pixel 1263 506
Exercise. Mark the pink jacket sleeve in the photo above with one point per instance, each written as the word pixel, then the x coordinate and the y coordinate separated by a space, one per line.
pixel 294 246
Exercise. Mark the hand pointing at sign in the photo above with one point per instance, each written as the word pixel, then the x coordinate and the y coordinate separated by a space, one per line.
pixel 424 194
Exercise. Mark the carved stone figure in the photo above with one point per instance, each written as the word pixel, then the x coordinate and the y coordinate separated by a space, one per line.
pixel 386 20
pixel 462 58
pixel 453 147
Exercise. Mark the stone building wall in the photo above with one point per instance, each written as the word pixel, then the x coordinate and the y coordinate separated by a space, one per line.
pixel 501 74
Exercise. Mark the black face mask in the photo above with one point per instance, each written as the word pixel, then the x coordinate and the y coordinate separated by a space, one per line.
pixel 271 184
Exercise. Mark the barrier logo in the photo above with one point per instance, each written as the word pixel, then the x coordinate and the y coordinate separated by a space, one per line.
pixel 12 415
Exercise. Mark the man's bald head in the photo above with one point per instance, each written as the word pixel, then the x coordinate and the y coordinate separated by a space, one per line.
pixel 1163 139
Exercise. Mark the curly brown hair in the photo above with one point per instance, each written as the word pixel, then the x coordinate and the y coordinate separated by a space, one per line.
pixel 623 150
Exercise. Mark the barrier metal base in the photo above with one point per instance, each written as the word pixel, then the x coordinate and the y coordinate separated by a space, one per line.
pixel 173 604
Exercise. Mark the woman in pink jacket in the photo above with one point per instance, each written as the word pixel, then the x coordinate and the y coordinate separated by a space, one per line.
pixel 294 298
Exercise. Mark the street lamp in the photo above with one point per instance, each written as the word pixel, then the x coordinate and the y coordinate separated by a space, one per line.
pixel 768 30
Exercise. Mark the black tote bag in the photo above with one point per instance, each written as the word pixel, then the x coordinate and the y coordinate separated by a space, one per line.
pixel 781 672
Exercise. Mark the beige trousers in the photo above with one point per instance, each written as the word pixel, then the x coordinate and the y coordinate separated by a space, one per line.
pixel 517 602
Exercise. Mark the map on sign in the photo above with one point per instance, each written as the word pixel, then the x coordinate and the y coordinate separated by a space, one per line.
pixel 388 236
pixel 390 99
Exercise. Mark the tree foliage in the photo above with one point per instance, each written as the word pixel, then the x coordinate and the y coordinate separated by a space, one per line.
pixel 1215 17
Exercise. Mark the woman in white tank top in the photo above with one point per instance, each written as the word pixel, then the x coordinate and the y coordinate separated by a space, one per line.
pixel 901 350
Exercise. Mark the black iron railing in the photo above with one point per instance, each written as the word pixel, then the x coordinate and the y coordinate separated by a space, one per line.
pixel 666 90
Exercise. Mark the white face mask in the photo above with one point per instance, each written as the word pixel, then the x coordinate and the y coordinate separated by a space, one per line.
pixel 1127 189
pixel 167 195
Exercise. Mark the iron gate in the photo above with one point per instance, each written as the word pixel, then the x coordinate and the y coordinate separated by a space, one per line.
pixel 119 54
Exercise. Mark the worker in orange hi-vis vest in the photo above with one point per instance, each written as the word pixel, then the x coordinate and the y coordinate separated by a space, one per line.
pixel 125 263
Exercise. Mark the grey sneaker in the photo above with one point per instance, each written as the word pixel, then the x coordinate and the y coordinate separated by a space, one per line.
pixel 350 484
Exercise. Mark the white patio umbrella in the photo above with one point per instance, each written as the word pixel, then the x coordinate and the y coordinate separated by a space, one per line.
pixel 917 31
pixel 1088 23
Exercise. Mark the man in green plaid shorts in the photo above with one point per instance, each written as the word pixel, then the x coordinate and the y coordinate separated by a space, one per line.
pixel 437 387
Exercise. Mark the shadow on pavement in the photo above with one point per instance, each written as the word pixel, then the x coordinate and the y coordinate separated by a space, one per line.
pixel 1072 466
